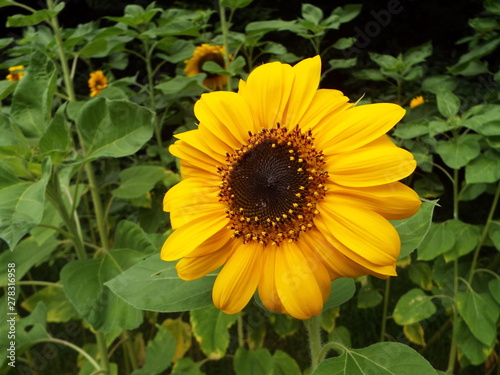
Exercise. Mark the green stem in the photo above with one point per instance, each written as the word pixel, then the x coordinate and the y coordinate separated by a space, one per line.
pixel 129 350
pixel 331 346
pixel 455 194
pixel 99 212
pixel 484 234
pixel 313 326
pixel 241 337
pixel 385 309
pixel 225 29
pixel 151 88
pixel 74 347
pixel 453 347
pixel 103 351
pixel 54 23
pixel 35 282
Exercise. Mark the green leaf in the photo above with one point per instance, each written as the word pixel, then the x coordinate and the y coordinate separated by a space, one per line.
pixel 474 54
pixel 439 240
pixel 457 152
pixel 181 86
pixel 342 63
pixel 417 54
pixel 343 290
pixel 312 13
pixel 476 351
pixel 494 233
pixel 386 358
pixel 251 362
pixel 283 364
pixel 21 204
pixel 56 140
pixel 343 43
pixel 415 333
pixel 186 366
pixel 492 6
pixel 470 192
pixel 414 306
pixel 211 329
pixel 32 98
pixel 421 274
pixel 494 288
pixel 480 313
pixel 466 239
pixel 6 87
pixel 485 168
pixel 83 282
pixel 369 74
pixel 114 128
pixel 448 103
pixel 234 4
pixel 19 20
pixel 412 129
pixel 59 309
pixel 413 231
pixel 26 254
pixel 139 180
pixel 31 328
pixel 129 235
pixel 159 353
pixel 439 126
pixel 387 62
pixel 435 83
pixel 341 335
pixel 368 297
pixel 139 286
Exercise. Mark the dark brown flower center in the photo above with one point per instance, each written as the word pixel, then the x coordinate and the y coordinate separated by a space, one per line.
pixel 272 184
pixel 215 57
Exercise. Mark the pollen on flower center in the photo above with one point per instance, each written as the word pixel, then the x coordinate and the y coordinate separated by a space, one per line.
pixel 272 184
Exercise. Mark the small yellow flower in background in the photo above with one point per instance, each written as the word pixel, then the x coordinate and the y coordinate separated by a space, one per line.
pixel 202 54
pixel 16 73
pixel 97 82
pixel 415 102
pixel 287 187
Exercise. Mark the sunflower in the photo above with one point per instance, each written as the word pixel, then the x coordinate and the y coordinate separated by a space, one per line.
pixel 97 82
pixel 288 188
pixel 15 73
pixel 201 55
pixel 415 102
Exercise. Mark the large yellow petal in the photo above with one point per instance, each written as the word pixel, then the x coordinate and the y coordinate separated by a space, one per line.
pixel 296 282
pixel 267 285
pixel 358 126
pixel 188 237
pixel 306 80
pixel 198 140
pixel 238 279
pixel 370 166
pixel 189 192
pixel 331 257
pixel 365 233
pixel 191 268
pixel 194 156
pixel 227 116
pixel 394 201
pixel 267 91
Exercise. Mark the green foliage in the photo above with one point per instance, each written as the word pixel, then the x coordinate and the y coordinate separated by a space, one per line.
pixel 82 181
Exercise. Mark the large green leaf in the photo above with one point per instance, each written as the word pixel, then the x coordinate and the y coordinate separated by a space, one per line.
pixel 153 285
pixel 413 230
pixel 56 140
pixel 342 291
pixel 457 152
pixel 113 128
pixel 485 168
pixel 211 329
pixel 139 180
pixel 386 358
pixel 159 353
pixel 466 239
pixel 413 307
pixel 448 103
pixel 129 235
pixel 59 309
pixel 251 362
pixel 476 351
pixel 21 204
pixel 480 312
pixel 32 99
pixel 284 364
pixel 83 282
pixel 439 240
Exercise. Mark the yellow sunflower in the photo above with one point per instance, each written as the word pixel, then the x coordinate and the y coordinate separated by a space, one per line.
pixel 201 55
pixel 287 187
pixel 97 82
pixel 15 73
pixel 415 102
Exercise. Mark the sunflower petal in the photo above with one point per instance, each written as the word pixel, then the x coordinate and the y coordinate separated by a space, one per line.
pixel 365 233
pixel 306 80
pixel 394 201
pixel 267 97
pixel 226 115
pixel 192 268
pixel 296 283
pixel 267 285
pixel 370 166
pixel 358 126
pixel 191 235
pixel 238 279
